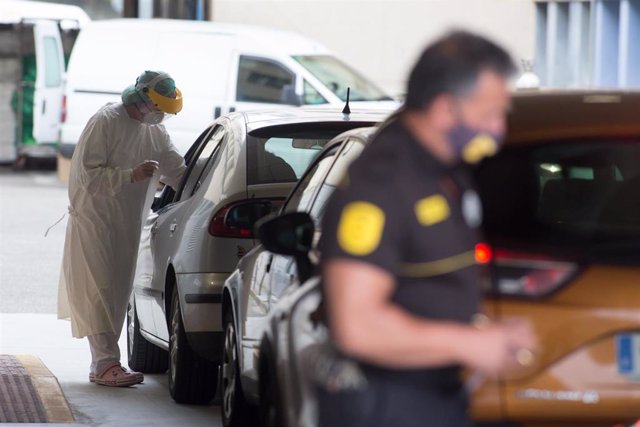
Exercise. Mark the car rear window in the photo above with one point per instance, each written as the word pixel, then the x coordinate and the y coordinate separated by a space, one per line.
pixel 283 153
pixel 580 198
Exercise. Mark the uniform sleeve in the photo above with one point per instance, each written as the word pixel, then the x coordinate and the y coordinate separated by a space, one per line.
pixel 172 165
pixel 96 175
pixel 361 222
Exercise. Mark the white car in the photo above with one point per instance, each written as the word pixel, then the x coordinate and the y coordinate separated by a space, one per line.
pixel 258 354
pixel 241 168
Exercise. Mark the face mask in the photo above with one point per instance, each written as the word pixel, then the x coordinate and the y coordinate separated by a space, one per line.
pixel 153 118
pixel 471 145
pixel 149 116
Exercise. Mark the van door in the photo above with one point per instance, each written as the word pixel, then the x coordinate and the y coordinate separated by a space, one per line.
pixel 47 102
pixel 264 83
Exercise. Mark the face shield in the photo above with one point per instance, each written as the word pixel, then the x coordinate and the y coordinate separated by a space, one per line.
pixel 161 99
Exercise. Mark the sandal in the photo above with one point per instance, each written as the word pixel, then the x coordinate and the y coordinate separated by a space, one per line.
pixel 117 376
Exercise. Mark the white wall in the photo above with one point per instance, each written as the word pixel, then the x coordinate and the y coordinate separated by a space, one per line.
pixel 382 38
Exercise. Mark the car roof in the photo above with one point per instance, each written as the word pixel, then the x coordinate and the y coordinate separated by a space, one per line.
pixel 290 116
pixel 544 115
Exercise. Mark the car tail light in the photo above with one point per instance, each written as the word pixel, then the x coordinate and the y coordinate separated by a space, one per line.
pixel 63 113
pixel 484 253
pixel 528 275
pixel 237 219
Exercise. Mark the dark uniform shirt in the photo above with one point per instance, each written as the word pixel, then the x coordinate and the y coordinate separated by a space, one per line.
pixel 404 211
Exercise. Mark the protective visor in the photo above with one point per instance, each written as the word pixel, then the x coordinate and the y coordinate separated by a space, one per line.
pixel 166 103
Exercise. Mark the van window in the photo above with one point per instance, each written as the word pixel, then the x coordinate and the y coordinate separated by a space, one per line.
pixel 337 77
pixel 312 96
pixel 261 80
pixel 52 63
pixel 581 197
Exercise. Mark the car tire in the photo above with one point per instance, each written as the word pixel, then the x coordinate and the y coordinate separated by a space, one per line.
pixel 236 411
pixel 192 378
pixel 271 413
pixel 142 355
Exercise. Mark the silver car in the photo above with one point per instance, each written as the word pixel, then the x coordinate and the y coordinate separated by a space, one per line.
pixel 240 169
pixel 262 282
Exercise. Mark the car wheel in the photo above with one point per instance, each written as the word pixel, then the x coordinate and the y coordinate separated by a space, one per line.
pixel 192 378
pixel 271 414
pixel 236 411
pixel 141 354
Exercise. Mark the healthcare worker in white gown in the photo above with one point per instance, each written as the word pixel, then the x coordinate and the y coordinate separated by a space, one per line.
pixel 122 146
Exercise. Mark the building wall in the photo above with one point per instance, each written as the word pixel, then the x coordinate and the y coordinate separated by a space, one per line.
pixel 383 38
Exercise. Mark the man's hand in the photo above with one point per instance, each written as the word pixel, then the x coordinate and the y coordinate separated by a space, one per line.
pixel 496 348
pixel 144 170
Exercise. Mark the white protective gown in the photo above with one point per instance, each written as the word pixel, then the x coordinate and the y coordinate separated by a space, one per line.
pixel 105 217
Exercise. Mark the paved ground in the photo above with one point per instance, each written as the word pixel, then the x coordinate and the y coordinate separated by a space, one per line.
pixel 29 262
pixel 29 266
pixel 147 404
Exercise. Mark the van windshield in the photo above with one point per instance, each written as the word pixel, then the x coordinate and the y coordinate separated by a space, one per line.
pixel 338 76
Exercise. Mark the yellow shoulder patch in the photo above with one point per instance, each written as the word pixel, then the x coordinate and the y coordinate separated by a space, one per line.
pixel 360 228
pixel 432 210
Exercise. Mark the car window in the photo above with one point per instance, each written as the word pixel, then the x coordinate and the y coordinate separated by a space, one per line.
pixel 283 153
pixel 282 158
pixel 201 164
pixel 352 149
pixel 302 195
pixel 168 195
pixel 581 196
pixel 263 80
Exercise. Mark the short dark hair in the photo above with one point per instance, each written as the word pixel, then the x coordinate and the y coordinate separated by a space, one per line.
pixel 452 65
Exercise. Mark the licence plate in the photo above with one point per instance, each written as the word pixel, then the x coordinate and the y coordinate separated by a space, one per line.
pixel 628 355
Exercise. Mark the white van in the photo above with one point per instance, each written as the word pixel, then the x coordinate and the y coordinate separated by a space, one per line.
pixel 218 67
pixel 34 38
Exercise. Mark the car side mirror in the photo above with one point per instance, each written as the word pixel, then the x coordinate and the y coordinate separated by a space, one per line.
pixel 290 234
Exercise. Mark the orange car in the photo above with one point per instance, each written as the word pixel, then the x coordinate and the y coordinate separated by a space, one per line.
pixel 562 217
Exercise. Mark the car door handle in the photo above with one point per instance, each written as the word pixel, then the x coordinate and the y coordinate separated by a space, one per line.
pixel 172 227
